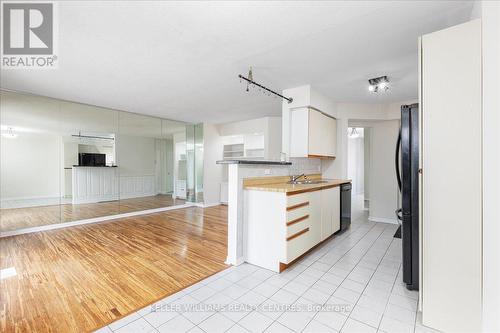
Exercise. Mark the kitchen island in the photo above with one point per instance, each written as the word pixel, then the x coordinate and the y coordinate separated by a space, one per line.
pixel 284 221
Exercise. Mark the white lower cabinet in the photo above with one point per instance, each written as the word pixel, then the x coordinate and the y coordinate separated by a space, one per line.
pixel 330 212
pixel 279 228
pixel 336 210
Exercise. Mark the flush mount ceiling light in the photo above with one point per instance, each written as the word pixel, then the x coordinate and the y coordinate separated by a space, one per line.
pixel 250 83
pixel 378 84
pixel 9 133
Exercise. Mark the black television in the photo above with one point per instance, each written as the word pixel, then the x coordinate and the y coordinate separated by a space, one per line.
pixel 90 159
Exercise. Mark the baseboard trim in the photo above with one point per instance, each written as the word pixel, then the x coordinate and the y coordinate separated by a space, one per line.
pixel 382 220
pixel 92 220
pixel 235 262
pixel 204 205
pixel 40 197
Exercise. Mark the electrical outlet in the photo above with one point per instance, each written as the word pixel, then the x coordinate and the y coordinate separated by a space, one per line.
pixel 267 171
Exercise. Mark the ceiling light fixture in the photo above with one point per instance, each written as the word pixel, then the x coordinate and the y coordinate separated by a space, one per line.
pixel 9 134
pixel 378 84
pixel 249 80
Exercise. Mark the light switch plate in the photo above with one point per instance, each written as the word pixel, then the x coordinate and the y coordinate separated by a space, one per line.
pixel 267 171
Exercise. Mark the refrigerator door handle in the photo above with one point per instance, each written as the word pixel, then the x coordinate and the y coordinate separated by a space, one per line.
pixel 396 159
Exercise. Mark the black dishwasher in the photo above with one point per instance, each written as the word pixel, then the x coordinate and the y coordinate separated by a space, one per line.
pixel 345 206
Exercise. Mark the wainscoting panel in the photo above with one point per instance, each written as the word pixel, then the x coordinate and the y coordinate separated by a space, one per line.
pixel 94 184
pixel 137 186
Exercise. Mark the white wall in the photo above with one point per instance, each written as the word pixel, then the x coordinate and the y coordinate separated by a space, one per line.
pixel 180 172
pixel 257 125
pixel 136 165
pixel 169 165
pixel 355 172
pixel 135 155
pixel 367 167
pixel 270 127
pixel 490 12
pixel 212 172
pixel 272 139
pixel 164 165
pixel 69 158
pixel 30 166
pixel 384 190
pixel 356 163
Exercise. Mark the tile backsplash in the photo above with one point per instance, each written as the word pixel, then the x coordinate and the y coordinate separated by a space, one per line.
pixel 299 166
pixel 305 165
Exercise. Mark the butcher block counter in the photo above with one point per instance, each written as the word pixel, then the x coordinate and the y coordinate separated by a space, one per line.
pixel 291 189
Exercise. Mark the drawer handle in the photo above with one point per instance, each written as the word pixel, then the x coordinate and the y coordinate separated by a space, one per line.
pixel 297 234
pixel 305 217
pixel 297 206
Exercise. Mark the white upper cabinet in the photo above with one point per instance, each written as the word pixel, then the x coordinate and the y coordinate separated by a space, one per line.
pixel 312 134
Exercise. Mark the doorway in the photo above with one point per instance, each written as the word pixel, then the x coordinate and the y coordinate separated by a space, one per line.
pixel 358 169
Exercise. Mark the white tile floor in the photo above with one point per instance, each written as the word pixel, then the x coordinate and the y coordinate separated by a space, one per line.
pixel 350 284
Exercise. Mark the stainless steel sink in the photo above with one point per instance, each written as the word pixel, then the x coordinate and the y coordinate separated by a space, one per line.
pixel 307 182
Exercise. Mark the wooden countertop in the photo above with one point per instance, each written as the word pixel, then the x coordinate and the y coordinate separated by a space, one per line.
pixel 291 189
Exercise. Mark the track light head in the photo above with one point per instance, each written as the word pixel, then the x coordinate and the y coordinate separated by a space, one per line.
pixel 377 84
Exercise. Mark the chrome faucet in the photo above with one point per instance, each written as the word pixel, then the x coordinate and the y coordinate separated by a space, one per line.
pixel 293 179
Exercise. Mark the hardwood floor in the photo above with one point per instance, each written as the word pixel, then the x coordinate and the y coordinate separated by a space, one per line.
pixel 27 217
pixel 80 278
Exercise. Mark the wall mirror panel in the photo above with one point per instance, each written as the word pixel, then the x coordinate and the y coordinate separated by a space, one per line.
pixel 194 156
pixel 89 185
pixel 30 163
pixel 64 162
pixel 145 159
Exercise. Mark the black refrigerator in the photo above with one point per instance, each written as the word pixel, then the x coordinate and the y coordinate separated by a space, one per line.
pixel 407 170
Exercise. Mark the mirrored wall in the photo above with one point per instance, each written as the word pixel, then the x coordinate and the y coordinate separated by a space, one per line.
pixel 64 162
pixel 194 146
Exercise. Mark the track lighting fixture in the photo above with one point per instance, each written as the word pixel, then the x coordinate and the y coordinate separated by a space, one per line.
pixel 249 81
pixel 378 84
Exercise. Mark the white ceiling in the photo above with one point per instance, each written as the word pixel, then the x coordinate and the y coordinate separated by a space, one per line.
pixel 180 60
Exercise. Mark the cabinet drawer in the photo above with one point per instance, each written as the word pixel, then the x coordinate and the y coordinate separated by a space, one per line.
pixel 296 199
pixel 297 244
pixel 294 226
pixel 297 212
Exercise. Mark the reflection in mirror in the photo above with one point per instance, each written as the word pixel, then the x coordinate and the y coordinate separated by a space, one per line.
pixel 145 159
pixel 198 163
pixel 89 185
pixel 194 155
pixel 30 162
pixel 64 161
pixel 180 163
